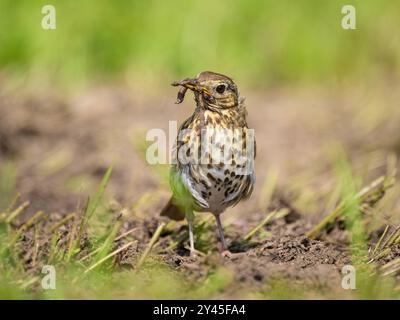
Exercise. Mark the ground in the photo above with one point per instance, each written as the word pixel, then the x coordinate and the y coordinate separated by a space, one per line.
pixel 60 146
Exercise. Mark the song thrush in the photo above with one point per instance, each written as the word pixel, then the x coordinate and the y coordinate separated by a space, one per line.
pixel 213 154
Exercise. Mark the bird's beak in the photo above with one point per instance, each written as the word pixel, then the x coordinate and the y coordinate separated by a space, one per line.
pixel 186 83
pixel 192 84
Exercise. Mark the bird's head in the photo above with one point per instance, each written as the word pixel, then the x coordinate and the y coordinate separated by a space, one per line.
pixel 212 90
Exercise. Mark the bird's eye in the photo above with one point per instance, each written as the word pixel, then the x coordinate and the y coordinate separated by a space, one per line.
pixel 221 88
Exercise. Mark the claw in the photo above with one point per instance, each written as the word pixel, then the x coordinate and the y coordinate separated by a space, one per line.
pixel 226 254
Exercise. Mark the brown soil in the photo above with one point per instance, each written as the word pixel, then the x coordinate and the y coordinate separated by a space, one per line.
pixel 287 254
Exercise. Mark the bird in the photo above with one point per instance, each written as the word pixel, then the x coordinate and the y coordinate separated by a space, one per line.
pixel 213 155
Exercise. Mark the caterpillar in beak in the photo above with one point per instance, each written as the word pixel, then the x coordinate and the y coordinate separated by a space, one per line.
pixel 192 85
pixel 181 95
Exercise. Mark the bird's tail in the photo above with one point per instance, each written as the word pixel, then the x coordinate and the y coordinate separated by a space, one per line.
pixel 173 211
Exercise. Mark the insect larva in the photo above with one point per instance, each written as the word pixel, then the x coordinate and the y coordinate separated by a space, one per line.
pixel 181 95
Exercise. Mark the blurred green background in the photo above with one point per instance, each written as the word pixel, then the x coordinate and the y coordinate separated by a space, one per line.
pixel 262 42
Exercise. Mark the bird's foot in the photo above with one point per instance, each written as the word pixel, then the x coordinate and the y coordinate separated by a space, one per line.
pixel 195 253
pixel 226 254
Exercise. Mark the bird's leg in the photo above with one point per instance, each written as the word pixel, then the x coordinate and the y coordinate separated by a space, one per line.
pixel 190 218
pixel 225 251
pixel 191 238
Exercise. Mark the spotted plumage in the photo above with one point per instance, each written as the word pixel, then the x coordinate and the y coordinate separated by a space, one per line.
pixel 214 152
